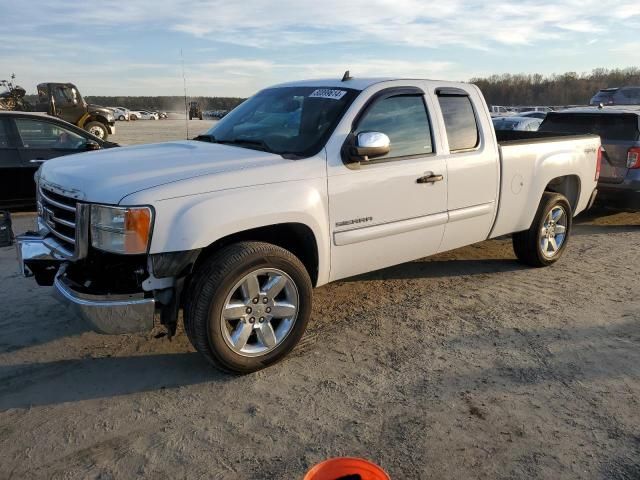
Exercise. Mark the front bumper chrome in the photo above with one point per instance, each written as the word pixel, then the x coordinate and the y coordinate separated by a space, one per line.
pixel 111 314
pixel 33 249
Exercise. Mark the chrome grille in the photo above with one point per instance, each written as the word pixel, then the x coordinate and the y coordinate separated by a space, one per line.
pixel 60 215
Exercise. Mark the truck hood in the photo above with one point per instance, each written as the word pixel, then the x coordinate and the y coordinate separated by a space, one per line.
pixel 108 176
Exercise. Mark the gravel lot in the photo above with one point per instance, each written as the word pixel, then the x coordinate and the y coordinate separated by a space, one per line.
pixel 150 131
pixel 464 365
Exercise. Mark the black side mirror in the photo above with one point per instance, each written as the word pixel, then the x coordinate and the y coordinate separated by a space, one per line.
pixel 92 145
pixel 366 146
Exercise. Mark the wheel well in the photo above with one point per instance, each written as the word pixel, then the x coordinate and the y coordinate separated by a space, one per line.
pixel 295 237
pixel 569 186
pixel 96 118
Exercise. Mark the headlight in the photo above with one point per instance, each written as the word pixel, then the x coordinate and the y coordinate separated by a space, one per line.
pixel 110 117
pixel 125 230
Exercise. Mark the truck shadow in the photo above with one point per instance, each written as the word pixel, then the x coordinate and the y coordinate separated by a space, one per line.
pixel 50 383
pixel 581 229
pixel 438 268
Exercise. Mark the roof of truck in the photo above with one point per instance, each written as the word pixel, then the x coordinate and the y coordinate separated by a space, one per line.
pixel 353 83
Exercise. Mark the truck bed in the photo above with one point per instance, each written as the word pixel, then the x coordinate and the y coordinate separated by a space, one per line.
pixel 515 137
pixel 529 161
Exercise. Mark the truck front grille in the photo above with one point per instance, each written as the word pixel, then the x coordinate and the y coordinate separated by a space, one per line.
pixel 60 215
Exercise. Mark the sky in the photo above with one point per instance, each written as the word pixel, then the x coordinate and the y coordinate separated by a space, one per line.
pixel 234 48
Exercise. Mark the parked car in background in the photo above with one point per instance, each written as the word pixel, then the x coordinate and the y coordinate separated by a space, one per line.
pixel 619 130
pixel 121 113
pixel 303 184
pixel 27 140
pixel 525 124
pixel 143 115
pixel 534 114
pixel 617 96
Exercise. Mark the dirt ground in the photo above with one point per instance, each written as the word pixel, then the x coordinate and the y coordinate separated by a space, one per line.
pixel 465 365
pixel 150 131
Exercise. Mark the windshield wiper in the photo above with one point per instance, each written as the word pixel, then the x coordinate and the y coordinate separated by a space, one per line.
pixel 250 143
pixel 260 144
pixel 205 138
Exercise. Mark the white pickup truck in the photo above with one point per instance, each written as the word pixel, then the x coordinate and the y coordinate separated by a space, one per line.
pixel 303 184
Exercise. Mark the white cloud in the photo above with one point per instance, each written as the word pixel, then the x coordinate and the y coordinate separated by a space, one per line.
pixel 268 23
pixel 290 39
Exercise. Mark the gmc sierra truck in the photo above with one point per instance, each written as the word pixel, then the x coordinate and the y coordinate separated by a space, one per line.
pixel 303 184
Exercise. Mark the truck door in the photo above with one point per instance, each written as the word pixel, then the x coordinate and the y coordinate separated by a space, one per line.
pixel 472 165
pixel 12 174
pixel 68 105
pixel 382 211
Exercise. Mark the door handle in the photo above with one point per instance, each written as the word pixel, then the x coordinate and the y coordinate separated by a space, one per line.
pixel 430 178
pixel 38 160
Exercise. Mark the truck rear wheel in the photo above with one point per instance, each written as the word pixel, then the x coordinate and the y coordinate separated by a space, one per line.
pixel 98 129
pixel 248 306
pixel 546 240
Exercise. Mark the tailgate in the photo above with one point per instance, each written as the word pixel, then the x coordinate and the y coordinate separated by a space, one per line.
pixel 614 161
pixel 618 131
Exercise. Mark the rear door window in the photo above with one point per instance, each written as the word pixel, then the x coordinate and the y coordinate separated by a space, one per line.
pixel 608 126
pixel 460 122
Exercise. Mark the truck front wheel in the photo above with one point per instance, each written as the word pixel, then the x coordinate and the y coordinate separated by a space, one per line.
pixel 97 129
pixel 248 306
pixel 546 240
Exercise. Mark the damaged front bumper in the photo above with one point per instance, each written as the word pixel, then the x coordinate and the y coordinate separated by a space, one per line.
pixel 110 314
pixel 45 258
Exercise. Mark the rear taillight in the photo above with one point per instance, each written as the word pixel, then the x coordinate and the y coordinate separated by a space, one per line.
pixel 598 163
pixel 633 157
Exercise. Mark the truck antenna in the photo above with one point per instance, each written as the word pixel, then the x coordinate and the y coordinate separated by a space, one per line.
pixel 184 84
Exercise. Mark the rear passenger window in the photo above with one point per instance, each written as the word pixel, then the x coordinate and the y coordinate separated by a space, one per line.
pixel 404 120
pixel 460 122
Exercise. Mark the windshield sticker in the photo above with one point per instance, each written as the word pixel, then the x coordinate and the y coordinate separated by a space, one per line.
pixel 328 93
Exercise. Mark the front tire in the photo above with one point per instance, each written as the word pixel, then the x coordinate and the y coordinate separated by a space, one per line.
pixel 98 129
pixel 546 240
pixel 248 306
pixel 121 118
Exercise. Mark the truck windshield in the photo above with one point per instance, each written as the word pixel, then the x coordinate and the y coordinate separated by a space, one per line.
pixel 609 126
pixel 290 121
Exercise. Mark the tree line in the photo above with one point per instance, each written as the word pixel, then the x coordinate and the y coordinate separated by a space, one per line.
pixel 165 104
pixel 173 103
pixel 569 88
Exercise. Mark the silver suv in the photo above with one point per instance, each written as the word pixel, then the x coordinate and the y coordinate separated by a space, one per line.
pixel 619 129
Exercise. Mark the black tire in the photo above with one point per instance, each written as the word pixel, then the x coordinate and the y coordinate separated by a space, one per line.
pixel 190 117
pixel 527 244
pixel 121 118
pixel 200 116
pixel 133 117
pixel 214 281
pixel 98 129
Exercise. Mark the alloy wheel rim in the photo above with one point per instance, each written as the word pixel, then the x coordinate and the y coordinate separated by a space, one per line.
pixel 259 312
pixel 553 232
pixel 96 131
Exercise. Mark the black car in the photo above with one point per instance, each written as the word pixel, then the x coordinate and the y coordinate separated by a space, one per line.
pixel 617 96
pixel 26 141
